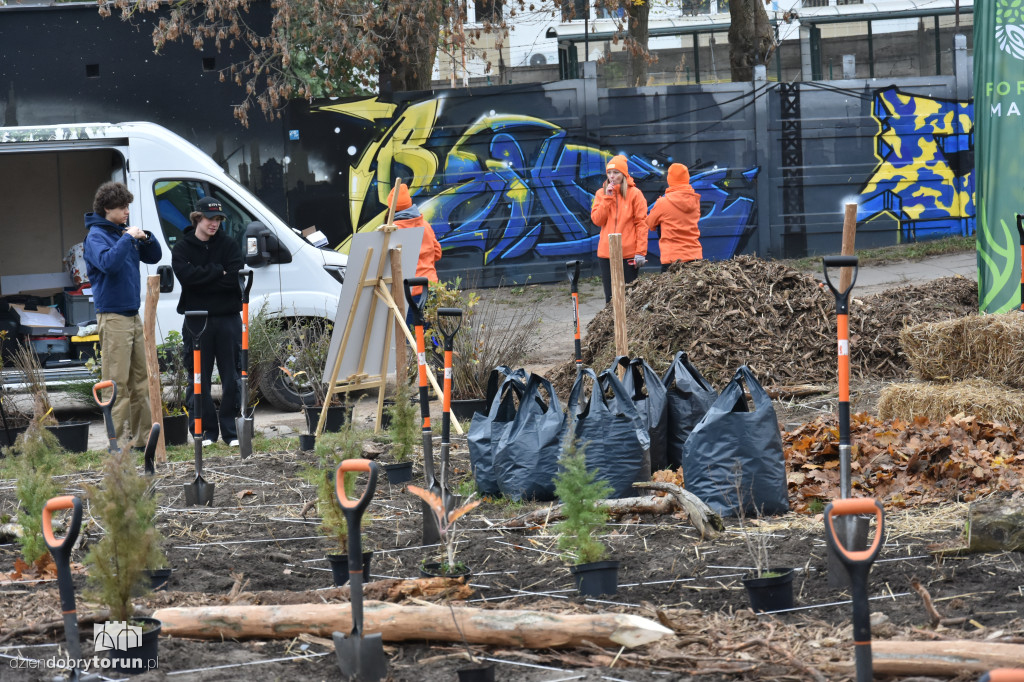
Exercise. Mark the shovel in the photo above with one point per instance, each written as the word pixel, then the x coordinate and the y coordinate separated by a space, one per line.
pixel 106 407
pixel 61 551
pixel 431 533
pixel 573 268
pixel 198 492
pixel 853 529
pixel 243 423
pixel 858 565
pixel 449 321
pixel 360 657
pixel 154 436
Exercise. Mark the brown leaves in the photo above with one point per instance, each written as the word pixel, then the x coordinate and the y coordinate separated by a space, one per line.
pixel 42 569
pixel 905 463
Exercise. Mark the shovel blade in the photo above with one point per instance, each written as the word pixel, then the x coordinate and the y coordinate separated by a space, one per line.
pixel 361 657
pixel 199 493
pixel 244 429
pixel 431 533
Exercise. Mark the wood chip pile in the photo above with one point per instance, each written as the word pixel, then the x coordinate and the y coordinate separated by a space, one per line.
pixel 764 314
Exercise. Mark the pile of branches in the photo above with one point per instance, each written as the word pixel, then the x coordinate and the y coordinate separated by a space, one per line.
pixel 764 314
pixel 903 463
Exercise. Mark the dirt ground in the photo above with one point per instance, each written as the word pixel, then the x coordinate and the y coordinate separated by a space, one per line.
pixel 255 546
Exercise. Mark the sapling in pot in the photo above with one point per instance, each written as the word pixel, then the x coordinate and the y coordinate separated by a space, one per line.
pixel 768 588
pixel 330 451
pixel 34 464
pixel 446 525
pixel 403 429
pixel 119 563
pixel 581 493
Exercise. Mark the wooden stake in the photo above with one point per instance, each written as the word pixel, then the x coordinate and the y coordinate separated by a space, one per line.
pixel 618 294
pixel 849 246
pixel 156 403
pixel 398 296
pixel 404 622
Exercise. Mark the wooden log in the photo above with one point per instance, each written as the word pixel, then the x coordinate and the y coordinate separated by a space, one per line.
pixel 706 521
pixel 401 623
pixel 648 504
pixel 996 525
pixel 948 658
pixel 156 403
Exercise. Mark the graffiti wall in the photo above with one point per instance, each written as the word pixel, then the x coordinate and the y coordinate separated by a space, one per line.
pixel 506 174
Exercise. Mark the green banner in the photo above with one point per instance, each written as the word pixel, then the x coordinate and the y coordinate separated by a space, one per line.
pixel 999 149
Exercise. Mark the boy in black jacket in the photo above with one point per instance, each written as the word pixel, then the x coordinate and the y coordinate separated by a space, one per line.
pixel 206 262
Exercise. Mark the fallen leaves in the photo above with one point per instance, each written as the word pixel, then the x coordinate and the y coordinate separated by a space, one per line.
pixel 905 463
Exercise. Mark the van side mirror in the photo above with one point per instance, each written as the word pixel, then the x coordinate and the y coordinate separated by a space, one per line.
pixel 262 246
pixel 166 279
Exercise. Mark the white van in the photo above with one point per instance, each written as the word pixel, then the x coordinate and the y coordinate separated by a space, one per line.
pixel 50 174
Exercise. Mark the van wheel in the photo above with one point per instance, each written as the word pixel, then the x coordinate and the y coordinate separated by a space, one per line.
pixel 281 392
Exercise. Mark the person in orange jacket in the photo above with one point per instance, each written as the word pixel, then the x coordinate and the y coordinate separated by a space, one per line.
pixel 677 212
pixel 407 215
pixel 620 207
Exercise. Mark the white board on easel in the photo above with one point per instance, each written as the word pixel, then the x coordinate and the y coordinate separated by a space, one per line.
pixel 369 245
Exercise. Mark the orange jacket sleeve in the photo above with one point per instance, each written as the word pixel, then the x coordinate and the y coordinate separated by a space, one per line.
pixel 639 203
pixel 654 217
pixel 602 207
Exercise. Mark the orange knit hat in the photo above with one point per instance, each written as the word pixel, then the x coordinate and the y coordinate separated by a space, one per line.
pixel 619 163
pixel 404 200
pixel 678 174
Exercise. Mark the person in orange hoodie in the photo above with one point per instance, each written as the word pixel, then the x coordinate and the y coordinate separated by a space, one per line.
pixel 407 215
pixel 677 213
pixel 620 207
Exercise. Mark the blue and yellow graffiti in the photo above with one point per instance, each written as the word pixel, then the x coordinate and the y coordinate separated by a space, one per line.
pixel 513 186
pixel 925 175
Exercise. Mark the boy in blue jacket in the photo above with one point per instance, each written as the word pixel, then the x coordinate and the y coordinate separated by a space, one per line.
pixel 113 251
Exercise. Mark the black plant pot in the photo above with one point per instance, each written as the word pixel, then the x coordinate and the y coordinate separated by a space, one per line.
pixel 463 410
pixel 72 436
pixel 339 567
pixel 432 569
pixel 176 429
pixel 400 472
pixel 307 441
pixel 158 578
pixel 773 593
pixel 15 431
pixel 337 416
pixel 596 578
pixel 138 659
pixel 483 673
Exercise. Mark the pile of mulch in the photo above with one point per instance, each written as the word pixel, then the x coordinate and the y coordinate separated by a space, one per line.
pixel 905 463
pixel 761 313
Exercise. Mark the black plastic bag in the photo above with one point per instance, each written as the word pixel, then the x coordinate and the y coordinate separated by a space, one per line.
pixel 689 397
pixel 651 399
pixel 527 454
pixel 505 389
pixel 612 432
pixel 734 453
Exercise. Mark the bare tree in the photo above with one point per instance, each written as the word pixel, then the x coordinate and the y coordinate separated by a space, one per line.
pixel 750 38
pixel 637 35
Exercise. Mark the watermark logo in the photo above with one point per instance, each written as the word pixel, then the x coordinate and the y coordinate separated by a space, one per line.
pixel 1010 28
pixel 117 635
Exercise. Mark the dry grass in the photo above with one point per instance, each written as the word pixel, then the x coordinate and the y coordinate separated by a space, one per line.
pixel 986 400
pixel 976 346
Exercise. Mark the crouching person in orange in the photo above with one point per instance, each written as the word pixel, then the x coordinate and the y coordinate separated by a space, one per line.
pixel 407 215
pixel 677 213
pixel 620 207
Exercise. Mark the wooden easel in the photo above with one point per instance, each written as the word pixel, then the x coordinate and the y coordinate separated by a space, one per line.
pixel 382 286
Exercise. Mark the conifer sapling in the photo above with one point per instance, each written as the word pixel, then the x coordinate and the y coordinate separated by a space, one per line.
pixel 580 492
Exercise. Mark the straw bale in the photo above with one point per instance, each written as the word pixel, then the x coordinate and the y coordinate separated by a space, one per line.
pixel 986 400
pixel 986 346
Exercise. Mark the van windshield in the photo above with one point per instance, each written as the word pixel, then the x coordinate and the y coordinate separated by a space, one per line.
pixel 175 200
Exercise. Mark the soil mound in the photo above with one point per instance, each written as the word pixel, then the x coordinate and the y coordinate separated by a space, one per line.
pixel 764 314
